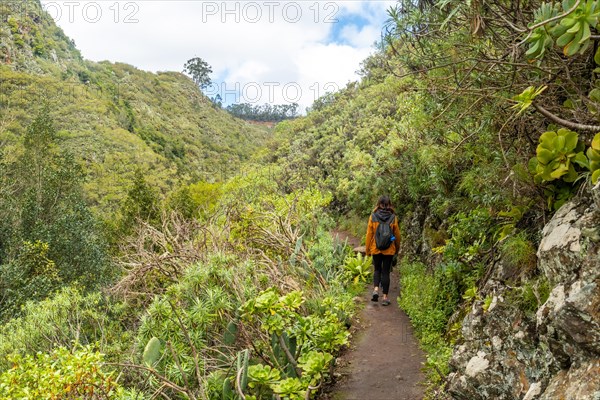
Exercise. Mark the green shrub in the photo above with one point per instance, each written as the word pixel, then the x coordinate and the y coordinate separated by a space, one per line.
pixel 32 276
pixel 68 318
pixel 327 257
pixel 45 204
pixel 530 295
pixel 557 155
pixel 61 374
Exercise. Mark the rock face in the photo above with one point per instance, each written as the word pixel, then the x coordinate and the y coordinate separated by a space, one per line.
pixel 554 354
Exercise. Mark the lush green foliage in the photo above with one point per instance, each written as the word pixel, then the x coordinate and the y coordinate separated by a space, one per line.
pixel 48 234
pixel 114 118
pixel 429 300
pixel 59 375
pixel 430 123
pixel 68 318
pixel 228 279
pixel 572 32
pixel 301 345
pixel 265 112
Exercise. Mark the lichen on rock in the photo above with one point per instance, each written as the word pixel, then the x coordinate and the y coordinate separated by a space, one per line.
pixel 554 354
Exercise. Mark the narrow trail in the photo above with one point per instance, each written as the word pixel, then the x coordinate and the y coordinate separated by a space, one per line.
pixel 384 362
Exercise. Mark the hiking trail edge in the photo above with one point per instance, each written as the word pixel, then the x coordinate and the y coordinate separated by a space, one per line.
pixel 384 361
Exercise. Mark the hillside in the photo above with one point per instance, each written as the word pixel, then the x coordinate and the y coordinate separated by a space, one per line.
pixel 114 117
pixel 187 280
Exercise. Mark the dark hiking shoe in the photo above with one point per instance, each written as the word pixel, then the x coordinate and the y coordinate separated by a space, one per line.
pixel 375 296
pixel 385 302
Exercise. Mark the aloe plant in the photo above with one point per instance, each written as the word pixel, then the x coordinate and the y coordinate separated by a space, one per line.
pixel 556 155
pixel 242 364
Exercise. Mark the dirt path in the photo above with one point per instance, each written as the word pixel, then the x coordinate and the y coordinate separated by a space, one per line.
pixel 385 361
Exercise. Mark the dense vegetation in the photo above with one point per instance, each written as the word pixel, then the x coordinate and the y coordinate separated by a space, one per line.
pixel 265 112
pixel 449 119
pixel 136 255
pixel 113 118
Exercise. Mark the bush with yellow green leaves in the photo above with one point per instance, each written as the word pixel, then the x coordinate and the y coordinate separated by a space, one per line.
pixel 61 374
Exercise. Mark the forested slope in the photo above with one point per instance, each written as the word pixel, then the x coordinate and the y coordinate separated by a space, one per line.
pixel 113 117
pixel 135 261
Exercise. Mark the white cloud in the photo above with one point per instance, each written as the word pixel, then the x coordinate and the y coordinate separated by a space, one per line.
pixel 244 41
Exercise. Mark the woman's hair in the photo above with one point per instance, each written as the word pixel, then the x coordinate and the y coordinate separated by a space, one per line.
pixel 384 202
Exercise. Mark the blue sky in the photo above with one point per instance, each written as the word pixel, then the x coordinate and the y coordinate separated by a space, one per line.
pixel 260 51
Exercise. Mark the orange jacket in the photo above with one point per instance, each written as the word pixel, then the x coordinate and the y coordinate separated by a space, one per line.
pixel 371 247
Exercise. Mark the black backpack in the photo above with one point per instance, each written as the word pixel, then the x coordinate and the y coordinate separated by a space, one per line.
pixel 384 233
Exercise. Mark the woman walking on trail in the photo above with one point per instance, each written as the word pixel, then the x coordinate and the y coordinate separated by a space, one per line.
pixel 383 242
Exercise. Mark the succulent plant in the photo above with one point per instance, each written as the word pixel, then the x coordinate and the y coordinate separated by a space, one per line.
pixel 556 155
pixel 593 154
pixel 573 33
pixel 541 37
pixel 152 352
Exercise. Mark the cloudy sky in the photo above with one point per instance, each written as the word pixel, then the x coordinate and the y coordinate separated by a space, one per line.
pixel 260 51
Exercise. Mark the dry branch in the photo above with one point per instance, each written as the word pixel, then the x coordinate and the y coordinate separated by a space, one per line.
pixel 567 124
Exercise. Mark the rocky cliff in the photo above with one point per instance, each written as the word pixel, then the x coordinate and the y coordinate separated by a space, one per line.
pixel 554 352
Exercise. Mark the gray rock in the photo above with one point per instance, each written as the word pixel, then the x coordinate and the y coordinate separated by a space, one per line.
pixel 506 354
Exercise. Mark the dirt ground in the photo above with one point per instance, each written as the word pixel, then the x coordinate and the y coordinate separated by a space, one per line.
pixel 384 361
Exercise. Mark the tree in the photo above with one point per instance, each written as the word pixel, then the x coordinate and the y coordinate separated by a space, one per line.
pixel 141 204
pixel 266 112
pixel 217 101
pixel 48 235
pixel 199 70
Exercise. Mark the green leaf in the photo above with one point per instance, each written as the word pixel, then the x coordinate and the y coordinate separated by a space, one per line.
pixel 152 352
pixel 586 33
pixel 571 175
pixel 570 140
pixel 593 155
pixel 595 176
pixel 544 156
pixel 581 160
pixel 532 165
pixel 575 28
pixel 547 137
pixel 568 103
pixel 559 143
pixel 564 39
pixel 535 47
pixel 571 49
pixel 594 95
pixel 596 142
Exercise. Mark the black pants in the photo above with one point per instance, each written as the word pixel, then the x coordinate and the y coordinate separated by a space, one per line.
pixel 383 265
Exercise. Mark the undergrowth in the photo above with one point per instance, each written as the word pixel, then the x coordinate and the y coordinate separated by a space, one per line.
pixel 426 299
